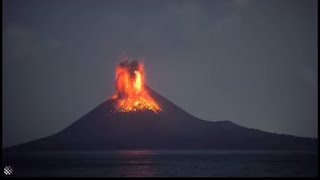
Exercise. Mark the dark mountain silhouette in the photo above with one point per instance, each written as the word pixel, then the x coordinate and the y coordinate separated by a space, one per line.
pixel 102 129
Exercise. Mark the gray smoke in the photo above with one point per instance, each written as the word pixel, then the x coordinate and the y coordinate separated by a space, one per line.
pixel 130 65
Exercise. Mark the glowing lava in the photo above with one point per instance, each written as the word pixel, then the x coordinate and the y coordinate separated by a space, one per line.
pixel 130 92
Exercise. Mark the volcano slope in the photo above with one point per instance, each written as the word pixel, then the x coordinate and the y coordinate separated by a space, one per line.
pixel 172 128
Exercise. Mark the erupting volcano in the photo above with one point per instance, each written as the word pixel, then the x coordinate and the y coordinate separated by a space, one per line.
pixel 130 90
pixel 137 117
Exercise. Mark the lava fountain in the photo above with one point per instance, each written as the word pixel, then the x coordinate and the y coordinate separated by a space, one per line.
pixel 131 94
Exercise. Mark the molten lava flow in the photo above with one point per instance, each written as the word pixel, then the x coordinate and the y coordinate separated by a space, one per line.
pixel 131 94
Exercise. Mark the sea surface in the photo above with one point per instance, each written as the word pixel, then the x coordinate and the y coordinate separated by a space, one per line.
pixel 143 163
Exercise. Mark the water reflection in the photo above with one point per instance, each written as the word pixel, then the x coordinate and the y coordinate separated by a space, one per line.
pixel 137 153
pixel 162 164
pixel 138 163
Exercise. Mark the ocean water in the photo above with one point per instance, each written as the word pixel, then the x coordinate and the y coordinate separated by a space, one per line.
pixel 143 163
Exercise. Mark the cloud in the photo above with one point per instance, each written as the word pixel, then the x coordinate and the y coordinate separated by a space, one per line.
pixel 21 42
pixel 203 25
pixel 241 3
pixel 310 76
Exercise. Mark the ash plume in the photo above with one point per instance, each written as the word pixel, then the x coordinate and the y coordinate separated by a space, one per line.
pixel 131 66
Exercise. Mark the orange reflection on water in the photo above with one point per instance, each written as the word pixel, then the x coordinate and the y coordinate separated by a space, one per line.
pixel 139 163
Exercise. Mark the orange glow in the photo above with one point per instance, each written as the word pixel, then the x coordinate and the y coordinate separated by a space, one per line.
pixel 130 92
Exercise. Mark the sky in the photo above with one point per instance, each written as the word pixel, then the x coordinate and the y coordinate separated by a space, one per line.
pixel 252 62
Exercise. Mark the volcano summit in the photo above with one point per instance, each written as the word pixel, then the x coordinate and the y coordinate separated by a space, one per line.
pixel 136 117
pixel 131 94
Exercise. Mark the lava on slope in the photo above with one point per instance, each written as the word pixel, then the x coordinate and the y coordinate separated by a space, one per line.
pixel 131 94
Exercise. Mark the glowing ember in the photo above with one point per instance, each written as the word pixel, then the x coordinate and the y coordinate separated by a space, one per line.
pixel 131 94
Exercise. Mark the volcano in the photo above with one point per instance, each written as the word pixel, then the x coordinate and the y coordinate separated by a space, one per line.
pixel 137 117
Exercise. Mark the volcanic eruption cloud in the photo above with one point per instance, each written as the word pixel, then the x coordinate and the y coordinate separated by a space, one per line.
pixel 131 94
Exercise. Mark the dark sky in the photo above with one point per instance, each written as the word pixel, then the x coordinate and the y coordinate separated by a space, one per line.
pixel 253 62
